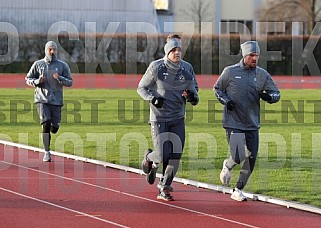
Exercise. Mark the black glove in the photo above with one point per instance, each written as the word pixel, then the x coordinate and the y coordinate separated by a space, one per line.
pixel 190 96
pixel 230 105
pixel 265 97
pixel 158 102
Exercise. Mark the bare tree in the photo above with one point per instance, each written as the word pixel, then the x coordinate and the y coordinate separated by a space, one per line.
pixel 307 11
pixel 198 11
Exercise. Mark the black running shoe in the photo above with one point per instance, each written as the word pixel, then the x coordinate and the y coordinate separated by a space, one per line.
pixel 151 176
pixel 146 164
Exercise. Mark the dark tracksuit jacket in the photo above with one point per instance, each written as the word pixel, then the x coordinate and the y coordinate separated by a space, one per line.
pixel 243 85
pixel 50 91
pixel 167 80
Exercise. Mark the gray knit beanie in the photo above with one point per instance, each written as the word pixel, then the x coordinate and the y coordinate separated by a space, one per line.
pixel 250 47
pixel 170 45
pixel 49 57
pixel 50 44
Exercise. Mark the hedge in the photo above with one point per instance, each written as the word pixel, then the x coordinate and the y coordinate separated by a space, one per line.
pixel 131 54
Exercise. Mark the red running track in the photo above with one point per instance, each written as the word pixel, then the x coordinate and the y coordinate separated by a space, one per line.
pixel 68 193
pixel 130 81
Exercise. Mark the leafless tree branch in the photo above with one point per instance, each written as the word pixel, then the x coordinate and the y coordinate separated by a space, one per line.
pixel 307 11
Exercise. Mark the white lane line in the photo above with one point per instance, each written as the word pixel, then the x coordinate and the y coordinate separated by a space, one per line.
pixel 79 213
pixel 212 187
pixel 135 196
pixel 82 178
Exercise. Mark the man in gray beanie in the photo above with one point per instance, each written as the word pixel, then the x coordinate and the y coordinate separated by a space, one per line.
pixel 162 86
pixel 48 76
pixel 186 65
pixel 250 47
pixel 240 88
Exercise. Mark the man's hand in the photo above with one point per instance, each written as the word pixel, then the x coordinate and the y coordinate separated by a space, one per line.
pixel 190 96
pixel 42 79
pixel 55 75
pixel 265 97
pixel 230 105
pixel 184 94
pixel 158 102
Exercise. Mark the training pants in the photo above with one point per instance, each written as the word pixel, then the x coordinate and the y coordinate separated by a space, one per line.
pixel 168 140
pixel 252 146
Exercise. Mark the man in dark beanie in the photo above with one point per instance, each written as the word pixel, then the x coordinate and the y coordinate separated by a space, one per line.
pixel 240 88
pixel 48 76
pixel 162 86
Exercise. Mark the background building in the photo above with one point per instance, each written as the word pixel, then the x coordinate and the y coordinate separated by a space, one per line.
pixel 37 16
pixel 246 16
pixel 208 16
pixel 205 16
pixel 162 16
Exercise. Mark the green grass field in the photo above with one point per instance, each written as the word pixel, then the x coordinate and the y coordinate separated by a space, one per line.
pixel 111 125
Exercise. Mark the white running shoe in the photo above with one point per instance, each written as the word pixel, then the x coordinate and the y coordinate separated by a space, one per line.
pixel 225 174
pixel 238 195
pixel 163 187
pixel 47 157
pixel 165 196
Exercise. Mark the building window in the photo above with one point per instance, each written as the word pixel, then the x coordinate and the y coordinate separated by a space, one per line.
pixel 284 27
pixel 236 26
pixel 163 6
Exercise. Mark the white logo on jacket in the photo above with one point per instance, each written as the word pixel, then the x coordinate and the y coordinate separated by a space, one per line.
pixel 165 75
pixel 181 78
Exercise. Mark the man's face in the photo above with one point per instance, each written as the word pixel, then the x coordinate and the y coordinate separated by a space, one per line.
pixel 251 60
pixel 52 51
pixel 175 55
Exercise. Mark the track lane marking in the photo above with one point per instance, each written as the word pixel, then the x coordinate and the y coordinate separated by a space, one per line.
pixel 79 213
pixel 134 196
